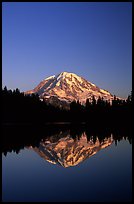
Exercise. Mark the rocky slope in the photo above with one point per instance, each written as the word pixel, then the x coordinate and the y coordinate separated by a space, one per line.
pixel 66 87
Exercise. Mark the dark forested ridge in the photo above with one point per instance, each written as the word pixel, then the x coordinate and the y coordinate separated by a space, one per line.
pixel 26 119
pixel 20 108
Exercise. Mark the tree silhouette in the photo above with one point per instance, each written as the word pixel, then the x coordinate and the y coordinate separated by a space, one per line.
pixel 18 107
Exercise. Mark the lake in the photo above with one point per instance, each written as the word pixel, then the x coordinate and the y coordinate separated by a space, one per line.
pixel 68 167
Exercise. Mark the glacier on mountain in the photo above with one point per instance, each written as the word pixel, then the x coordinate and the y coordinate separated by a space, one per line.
pixel 68 87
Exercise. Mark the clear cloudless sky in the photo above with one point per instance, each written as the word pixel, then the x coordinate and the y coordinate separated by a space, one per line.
pixel 92 40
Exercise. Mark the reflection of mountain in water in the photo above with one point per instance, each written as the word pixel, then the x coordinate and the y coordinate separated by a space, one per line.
pixel 66 151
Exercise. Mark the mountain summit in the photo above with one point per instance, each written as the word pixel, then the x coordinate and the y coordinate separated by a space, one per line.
pixel 66 87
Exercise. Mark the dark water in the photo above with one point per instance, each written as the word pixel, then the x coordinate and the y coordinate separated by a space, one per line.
pixel 64 167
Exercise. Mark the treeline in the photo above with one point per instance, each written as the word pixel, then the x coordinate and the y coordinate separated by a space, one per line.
pixel 102 112
pixel 18 107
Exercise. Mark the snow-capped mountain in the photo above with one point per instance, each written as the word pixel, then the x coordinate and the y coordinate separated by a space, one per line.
pixel 66 87
pixel 67 152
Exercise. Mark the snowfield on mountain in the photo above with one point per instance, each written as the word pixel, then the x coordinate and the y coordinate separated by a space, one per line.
pixel 67 87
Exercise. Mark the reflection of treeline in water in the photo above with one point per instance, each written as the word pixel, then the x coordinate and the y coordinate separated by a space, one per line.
pixel 17 107
pixel 16 138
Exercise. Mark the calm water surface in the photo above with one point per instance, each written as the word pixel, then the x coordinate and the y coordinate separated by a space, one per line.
pixel 69 169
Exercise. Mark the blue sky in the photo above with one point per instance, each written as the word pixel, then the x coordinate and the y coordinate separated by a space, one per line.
pixel 93 40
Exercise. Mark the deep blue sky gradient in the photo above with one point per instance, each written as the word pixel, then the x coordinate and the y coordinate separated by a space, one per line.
pixel 93 40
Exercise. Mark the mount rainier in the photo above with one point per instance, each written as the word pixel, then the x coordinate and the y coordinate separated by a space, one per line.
pixel 66 87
